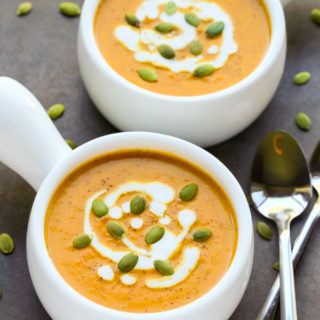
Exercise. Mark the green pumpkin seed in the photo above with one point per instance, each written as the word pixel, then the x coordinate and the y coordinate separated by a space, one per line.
pixel 6 243
pixel 264 230
pixel 203 71
pixel 215 29
pixel 192 19
pixel 195 47
pixel 148 75
pixel 163 267
pixel 276 266
pixel 303 121
pixel 70 9
pixel 202 234
pixel 56 111
pixel 188 192
pixel 164 27
pixel 170 8
pixel 315 15
pixel 116 229
pixel 82 241
pixel 128 262
pixel 301 78
pixel 154 234
pixel 137 205
pixel 166 51
pixel 24 8
pixel 71 144
pixel 132 20
pixel 99 208
pixel 249 199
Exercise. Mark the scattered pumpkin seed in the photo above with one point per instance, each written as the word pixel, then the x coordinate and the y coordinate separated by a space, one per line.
pixel 71 144
pixel 137 205
pixel 82 241
pixel 164 27
pixel 276 266
pixel 154 234
pixel 132 20
pixel 249 199
pixel 163 267
pixel 128 262
pixel 99 208
pixel 301 78
pixel 192 19
pixel 315 15
pixel 6 243
pixel 195 47
pixel 188 192
pixel 264 230
pixel 203 71
pixel 56 111
pixel 148 75
pixel 166 51
pixel 303 121
pixel 116 229
pixel 202 234
pixel 170 8
pixel 70 9
pixel 215 29
pixel 24 8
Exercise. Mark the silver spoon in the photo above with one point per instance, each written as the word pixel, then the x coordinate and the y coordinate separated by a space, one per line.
pixel 281 190
pixel 267 311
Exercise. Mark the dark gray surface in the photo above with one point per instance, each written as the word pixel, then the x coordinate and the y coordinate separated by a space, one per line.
pixel 39 50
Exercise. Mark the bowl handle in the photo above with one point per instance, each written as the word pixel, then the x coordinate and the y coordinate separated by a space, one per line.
pixel 30 144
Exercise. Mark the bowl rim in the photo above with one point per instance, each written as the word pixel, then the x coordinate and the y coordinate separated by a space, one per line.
pixel 92 149
pixel 278 35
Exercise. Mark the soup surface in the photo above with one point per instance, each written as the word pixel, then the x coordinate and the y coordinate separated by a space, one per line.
pixel 195 266
pixel 236 42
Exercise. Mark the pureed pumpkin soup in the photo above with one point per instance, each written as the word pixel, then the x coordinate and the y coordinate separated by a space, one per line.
pixel 140 231
pixel 183 47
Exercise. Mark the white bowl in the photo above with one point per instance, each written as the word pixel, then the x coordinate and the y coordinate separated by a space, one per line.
pixel 31 145
pixel 204 120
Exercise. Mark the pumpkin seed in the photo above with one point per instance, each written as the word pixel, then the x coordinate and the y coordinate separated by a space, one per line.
pixel 264 230
pixel 166 51
pixel 249 199
pixel 164 27
pixel 170 8
pixel 215 29
pixel 148 75
pixel 188 192
pixel 203 71
pixel 276 266
pixel 6 243
pixel 154 234
pixel 128 262
pixel 301 78
pixel 70 9
pixel 71 144
pixel 24 8
pixel 132 20
pixel 137 205
pixel 116 229
pixel 202 234
pixel 303 121
pixel 82 241
pixel 56 111
pixel 195 47
pixel 315 15
pixel 99 208
pixel 192 19
pixel 163 267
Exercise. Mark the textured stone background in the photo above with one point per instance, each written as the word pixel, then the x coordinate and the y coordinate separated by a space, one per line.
pixel 39 50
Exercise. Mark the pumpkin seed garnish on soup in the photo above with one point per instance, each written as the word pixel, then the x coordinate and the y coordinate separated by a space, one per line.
pixel 163 267
pixel 82 241
pixel 6 243
pixel 132 20
pixel 192 19
pixel 56 111
pixel 166 51
pixel 170 8
pixel 148 75
pixel 203 70
pixel 24 8
pixel 303 121
pixel 137 205
pixel 202 234
pixel 70 9
pixel 164 27
pixel 301 78
pixel 215 29
pixel 154 235
pixel 99 208
pixel 264 230
pixel 195 47
pixel 276 266
pixel 71 144
pixel 188 192
pixel 116 229
pixel 128 262
pixel 315 16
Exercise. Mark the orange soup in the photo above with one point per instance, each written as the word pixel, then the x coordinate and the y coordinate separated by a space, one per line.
pixel 183 47
pixel 140 231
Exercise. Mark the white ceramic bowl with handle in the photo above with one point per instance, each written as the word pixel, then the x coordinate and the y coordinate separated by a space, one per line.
pixel 205 119
pixel 31 145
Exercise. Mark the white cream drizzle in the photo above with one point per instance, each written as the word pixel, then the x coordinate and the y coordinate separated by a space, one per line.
pixel 128 280
pixel 106 273
pixel 165 220
pixel 136 223
pixel 133 38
